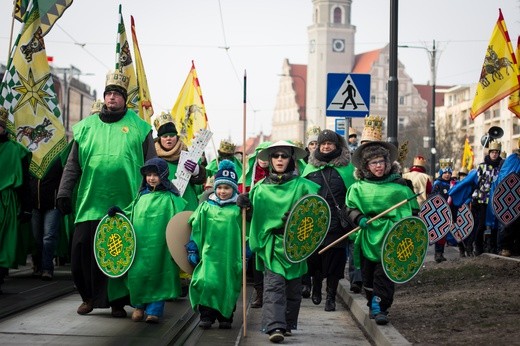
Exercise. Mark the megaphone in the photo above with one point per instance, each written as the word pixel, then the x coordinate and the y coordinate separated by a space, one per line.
pixel 494 132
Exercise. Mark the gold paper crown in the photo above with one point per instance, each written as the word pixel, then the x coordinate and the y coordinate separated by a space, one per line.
pixel 419 161
pixel 96 107
pixel 118 78
pixel 226 147
pixel 352 132
pixel 495 145
pixel 373 130
pixel 298 143
pixel 162 119
pixel 4 114
pixel 312 133
pixel 445 163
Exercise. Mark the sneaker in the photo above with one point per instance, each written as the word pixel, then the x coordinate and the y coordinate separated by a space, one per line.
pixel 46 275
pixel 505 253
pixel 381 318
pixel 138 315
pixel 85 308
pixel 152 319
pixel 276 336
pixel 118 312
pixel 205 324
pixel 224 325
pixel 288 332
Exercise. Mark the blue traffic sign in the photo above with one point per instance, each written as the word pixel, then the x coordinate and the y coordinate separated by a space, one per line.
pixel 348 95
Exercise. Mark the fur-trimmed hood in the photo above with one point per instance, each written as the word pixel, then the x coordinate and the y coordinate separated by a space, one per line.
pixel 394 168
pixel 342 160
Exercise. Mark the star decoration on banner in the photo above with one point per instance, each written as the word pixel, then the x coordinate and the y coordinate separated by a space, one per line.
pixel 32 91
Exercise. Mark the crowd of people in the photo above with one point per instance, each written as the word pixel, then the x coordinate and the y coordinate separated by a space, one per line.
pixel 114 165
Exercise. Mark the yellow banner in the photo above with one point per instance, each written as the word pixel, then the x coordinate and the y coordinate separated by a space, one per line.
pixel 125 64
pixel 467 156
pixel 189 112
pixel 27 92
pixel 145 101
pixel 499 75
pixel 514 99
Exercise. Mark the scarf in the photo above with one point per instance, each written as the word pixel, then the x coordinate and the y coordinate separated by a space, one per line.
pixel 108 116
pixel 170 155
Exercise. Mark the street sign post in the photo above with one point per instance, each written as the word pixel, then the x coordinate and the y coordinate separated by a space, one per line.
pixel 348 95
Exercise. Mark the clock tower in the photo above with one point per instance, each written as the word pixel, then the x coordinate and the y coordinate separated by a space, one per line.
pixel 331 50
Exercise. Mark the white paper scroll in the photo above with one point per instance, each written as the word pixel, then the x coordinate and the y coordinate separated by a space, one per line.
pixel 194 153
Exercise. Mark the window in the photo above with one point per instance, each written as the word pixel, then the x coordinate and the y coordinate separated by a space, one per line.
pixel 337 15
pixel 401 100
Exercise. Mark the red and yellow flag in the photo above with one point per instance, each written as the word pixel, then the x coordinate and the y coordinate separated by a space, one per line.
pixel 145 101
pixel 189 112
pixel 514 99
pixel 499 74
pixel 467 156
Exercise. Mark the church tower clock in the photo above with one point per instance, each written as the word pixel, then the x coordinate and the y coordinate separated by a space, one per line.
pixel 331 50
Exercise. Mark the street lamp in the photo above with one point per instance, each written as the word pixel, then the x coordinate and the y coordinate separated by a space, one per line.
pixel 304 81
pixel 432 55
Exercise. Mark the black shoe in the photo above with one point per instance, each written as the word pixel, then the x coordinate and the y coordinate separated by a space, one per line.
pixel 205 324
pixel 382 318
pixel 330 305
pixel 306 291
pixel 224 325
pixel 276 336
pixel 118 312
pixel 316 298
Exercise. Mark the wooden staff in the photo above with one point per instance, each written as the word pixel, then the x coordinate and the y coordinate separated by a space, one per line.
pixel 244 250
pixel 369 221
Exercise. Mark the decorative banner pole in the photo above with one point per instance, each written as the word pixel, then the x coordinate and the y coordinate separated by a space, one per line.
pixel 244 168
pixel 369 221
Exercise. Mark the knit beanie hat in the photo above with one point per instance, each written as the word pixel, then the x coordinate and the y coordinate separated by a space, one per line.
pixel 226 174
pixel 328 136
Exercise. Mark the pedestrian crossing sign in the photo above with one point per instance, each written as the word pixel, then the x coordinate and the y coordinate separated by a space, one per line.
pixel 348 95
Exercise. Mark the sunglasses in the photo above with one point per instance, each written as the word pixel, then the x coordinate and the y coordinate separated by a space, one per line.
pixel 279 155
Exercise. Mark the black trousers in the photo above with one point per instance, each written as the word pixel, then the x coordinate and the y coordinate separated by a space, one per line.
pixel 90 281
pixel 376 283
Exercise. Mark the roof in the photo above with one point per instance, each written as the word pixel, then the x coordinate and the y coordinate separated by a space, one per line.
pixel 363 62
pixel 298 74
pixel 252 143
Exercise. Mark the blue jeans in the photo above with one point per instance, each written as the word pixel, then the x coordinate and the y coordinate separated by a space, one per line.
pixel 46 227
pixel 154 309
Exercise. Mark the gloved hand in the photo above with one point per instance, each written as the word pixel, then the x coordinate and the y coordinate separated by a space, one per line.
pixel 113 210
pixel 193 253
pixel 243 201
pixel 25 216
pixel 192 167
pixel 363 222
pixel 64 205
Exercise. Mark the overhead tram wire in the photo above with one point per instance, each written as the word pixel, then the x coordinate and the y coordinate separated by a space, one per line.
pixel 82 45
pixel 226 47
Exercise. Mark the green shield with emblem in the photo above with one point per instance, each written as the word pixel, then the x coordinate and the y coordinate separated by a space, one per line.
pixel 114 245
pixel 404 249
pixel 306 227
